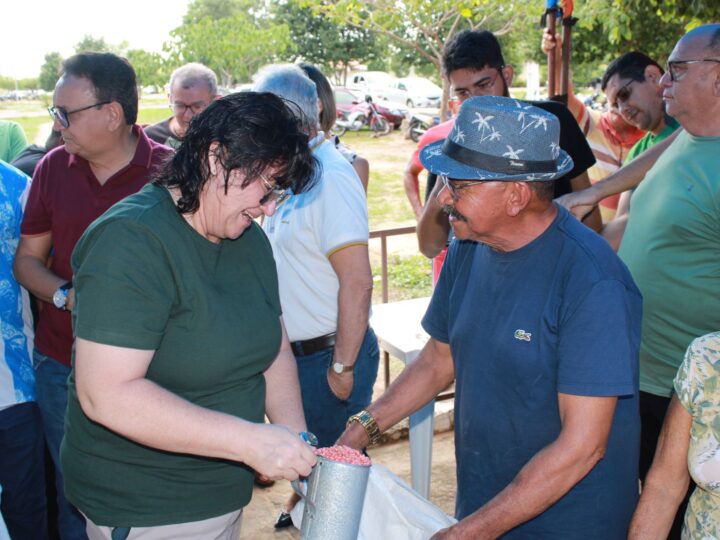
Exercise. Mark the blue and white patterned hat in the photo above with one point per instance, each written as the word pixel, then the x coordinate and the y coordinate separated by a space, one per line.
pixel 499 138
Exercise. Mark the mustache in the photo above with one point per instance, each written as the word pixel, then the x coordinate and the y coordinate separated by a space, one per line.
pixel 450 211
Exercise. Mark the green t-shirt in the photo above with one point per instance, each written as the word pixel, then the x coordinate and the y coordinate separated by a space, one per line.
pixel 672 248
pixel 145 279
pixel 651 139
pixel 12 140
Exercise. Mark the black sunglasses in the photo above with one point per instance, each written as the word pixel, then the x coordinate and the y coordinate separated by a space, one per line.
pixel 61 114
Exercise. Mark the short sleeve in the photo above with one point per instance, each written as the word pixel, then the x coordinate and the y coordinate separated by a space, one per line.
pixel 697 375
pixel 38 213
pixel 437 318
pixel 342 218
pixel 124 286
pixel 599 343
pixel 18 141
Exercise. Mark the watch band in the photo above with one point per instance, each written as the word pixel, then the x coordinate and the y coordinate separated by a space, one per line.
pixel 367 421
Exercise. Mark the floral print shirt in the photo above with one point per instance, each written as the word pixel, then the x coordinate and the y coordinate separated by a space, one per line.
pixel 697 385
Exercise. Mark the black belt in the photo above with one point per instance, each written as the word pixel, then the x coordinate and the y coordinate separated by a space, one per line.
pixel 311 346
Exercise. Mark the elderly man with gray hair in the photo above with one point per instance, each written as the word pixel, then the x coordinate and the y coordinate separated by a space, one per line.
pixel 192 88
pixel 320 242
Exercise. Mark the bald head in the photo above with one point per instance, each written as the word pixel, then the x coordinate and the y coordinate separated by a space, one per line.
pixel 706 36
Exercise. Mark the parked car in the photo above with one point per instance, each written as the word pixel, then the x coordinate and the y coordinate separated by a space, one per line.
pixel 373 83
pixel 346 101
pixel 414 92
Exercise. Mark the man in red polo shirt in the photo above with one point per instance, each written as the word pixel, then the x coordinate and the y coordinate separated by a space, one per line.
pixel 105 158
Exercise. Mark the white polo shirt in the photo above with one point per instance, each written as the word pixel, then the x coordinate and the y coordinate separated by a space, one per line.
pixel 304 232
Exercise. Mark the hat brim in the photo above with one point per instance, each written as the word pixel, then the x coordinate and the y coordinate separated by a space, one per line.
pixel 433 159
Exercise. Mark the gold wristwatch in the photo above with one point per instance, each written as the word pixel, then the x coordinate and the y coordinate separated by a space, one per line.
pixel 366 420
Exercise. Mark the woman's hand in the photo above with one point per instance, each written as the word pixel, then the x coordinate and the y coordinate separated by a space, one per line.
pixel 278 453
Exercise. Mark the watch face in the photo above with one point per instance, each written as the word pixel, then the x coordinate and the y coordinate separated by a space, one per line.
pixel 60 298
pixel 338 367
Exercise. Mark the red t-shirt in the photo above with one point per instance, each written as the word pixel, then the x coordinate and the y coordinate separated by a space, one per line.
pixel 64 199
pixel 435 133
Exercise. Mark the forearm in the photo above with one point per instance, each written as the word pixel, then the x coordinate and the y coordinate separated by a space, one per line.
pixel 655 513
pixel 614 231
pixel 148 414
pixel 354 298
pixel 548 476
pixel 411 182
pixel 32 274
pixel 417 385
pixel 283 401
pixel 433 227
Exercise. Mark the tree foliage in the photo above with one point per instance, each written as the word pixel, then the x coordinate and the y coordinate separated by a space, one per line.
pixel 50 71
pixel 150 68
pixel 325 42
pixel 234 47
pixel 92 44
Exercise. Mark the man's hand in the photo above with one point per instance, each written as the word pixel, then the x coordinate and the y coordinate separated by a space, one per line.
pixel 341 384
pixel 549 42
pixel 449 533
pixel 580 203
pixel 70 300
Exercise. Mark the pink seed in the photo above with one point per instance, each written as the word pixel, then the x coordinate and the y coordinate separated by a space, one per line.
pixel 343 454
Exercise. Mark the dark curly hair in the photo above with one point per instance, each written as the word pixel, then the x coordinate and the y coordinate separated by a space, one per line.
pixel 254 131
pixel 112 76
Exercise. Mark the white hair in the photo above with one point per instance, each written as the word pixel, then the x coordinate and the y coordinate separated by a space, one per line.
pixel 292 84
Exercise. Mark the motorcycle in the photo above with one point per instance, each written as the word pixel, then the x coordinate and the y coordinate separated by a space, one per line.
pixel 361 115
pixel 419 123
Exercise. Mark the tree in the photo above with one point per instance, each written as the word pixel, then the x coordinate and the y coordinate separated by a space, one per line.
pixel 50 71
pixel 421 27
pixel 215 9
pixel 92 44
pixel 321 41
pixel 149 67
pixel 234 47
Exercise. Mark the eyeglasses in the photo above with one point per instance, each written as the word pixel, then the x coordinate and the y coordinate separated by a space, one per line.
pixel 677 75
pixel 195 108
pixel 454 189
pixel 622 95
pixel 61 114
pixel 481 87
pixel 273 193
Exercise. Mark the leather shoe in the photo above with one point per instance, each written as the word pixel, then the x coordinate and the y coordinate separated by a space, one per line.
pixel 283 521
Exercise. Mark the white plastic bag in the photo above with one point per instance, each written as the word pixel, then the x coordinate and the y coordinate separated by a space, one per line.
pixel 393 510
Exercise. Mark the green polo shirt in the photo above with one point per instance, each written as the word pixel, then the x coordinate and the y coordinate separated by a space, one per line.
pixel 672 246
pixel 144 279
pixel 651 139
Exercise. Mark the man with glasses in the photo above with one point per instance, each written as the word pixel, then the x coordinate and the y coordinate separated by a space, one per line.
pixel 320 242
pixel 192 88
pixel 546 424
pixel 105 157
pixel 671 241
pixel 473 63
pixel 632 86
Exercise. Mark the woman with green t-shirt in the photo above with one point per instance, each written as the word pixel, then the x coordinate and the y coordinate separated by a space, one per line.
pixel 180 346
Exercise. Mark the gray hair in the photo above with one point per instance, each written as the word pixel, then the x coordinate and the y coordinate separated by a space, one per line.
pixel 291 83
pixel 192 74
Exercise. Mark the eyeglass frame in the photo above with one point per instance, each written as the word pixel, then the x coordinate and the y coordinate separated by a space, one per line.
pixel 623 98
pixel 488 82
pixel 185 107
pixel 672 63
pixel 64 119
pixel 453 190
pixel 273 193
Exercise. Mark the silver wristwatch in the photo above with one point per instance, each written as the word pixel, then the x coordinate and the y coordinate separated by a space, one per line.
pixel 60 296
pixel 339 368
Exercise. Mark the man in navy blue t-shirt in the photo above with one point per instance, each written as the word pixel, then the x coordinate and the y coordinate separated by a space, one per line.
pixel 538 323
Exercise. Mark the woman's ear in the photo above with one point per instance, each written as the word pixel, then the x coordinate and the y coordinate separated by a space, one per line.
pixel 213 161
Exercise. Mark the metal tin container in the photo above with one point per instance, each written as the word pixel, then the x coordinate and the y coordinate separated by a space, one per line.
pixel 334 500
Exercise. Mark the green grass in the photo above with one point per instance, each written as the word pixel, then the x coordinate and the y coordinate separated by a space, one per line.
pixel 408 277
pixel 31 125
pixel 153 115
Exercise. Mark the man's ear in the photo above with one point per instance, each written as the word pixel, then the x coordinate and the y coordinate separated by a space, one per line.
pixel 508 73
pixel 652 73
pixel 518 196
pixel 115 115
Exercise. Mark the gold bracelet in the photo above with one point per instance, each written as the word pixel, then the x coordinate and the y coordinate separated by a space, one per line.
pixel 366 420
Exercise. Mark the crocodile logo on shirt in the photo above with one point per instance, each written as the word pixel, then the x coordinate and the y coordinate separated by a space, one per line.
pixel 522 335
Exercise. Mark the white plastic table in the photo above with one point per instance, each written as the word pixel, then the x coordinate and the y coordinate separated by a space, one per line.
pixel 398 329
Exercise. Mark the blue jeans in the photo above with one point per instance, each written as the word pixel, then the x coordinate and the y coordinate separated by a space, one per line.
pixel 325 414
pixel 22 472
pixel 52 397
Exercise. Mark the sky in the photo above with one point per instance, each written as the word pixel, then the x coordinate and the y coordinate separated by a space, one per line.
pixel 31 30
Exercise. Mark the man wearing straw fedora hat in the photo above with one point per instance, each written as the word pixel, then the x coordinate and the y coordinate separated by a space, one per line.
pixel 546 414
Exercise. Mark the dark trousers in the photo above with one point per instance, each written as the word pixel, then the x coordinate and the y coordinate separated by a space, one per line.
pixel 22 472
pixel 652 416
